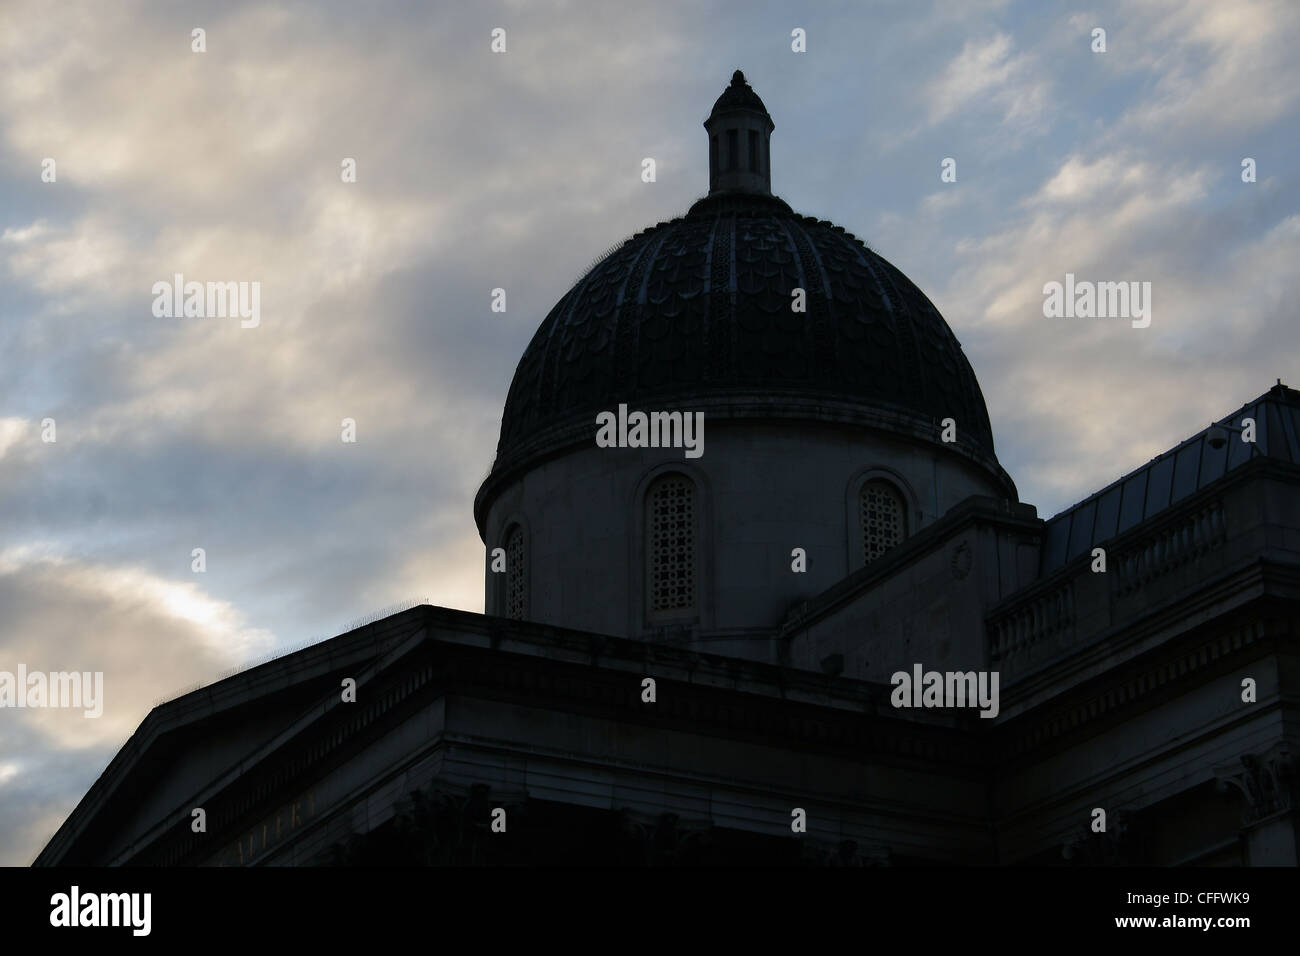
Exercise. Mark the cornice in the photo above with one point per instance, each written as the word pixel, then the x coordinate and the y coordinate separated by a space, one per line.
pixel 775 405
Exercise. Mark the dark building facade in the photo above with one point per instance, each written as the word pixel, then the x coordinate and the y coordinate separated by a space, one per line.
pixel 695 659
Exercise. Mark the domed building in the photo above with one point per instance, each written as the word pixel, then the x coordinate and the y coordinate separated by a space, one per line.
pixel 759 592
pixel 822 375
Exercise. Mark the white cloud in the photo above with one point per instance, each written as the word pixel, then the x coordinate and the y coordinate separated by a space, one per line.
pixel 987 76
pixel 12 430
pixel 150 636
pixel 1081 401
pixel 1078 180
pixel 941 202
pixel 1219 68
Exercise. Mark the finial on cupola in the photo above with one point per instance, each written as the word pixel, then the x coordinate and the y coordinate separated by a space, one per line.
pixel 739 129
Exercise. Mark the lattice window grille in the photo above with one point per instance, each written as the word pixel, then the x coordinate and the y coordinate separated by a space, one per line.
pixel 516 576
pixel 882 519
pixel 671 535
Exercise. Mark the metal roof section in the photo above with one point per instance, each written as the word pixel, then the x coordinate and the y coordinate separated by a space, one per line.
pixel 1172 476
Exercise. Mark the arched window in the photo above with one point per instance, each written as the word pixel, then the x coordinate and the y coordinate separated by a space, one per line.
pixel 672 522
pixel 516 589
pixel 884 518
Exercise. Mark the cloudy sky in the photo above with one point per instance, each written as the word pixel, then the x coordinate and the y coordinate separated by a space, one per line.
pixel 478 170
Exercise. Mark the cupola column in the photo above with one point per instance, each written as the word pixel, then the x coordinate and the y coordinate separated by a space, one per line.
pixel 739 129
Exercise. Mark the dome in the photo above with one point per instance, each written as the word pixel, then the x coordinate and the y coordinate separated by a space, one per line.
pixel 696 313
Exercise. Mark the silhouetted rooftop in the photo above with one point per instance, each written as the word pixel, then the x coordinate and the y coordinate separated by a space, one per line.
pixel 1170 477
